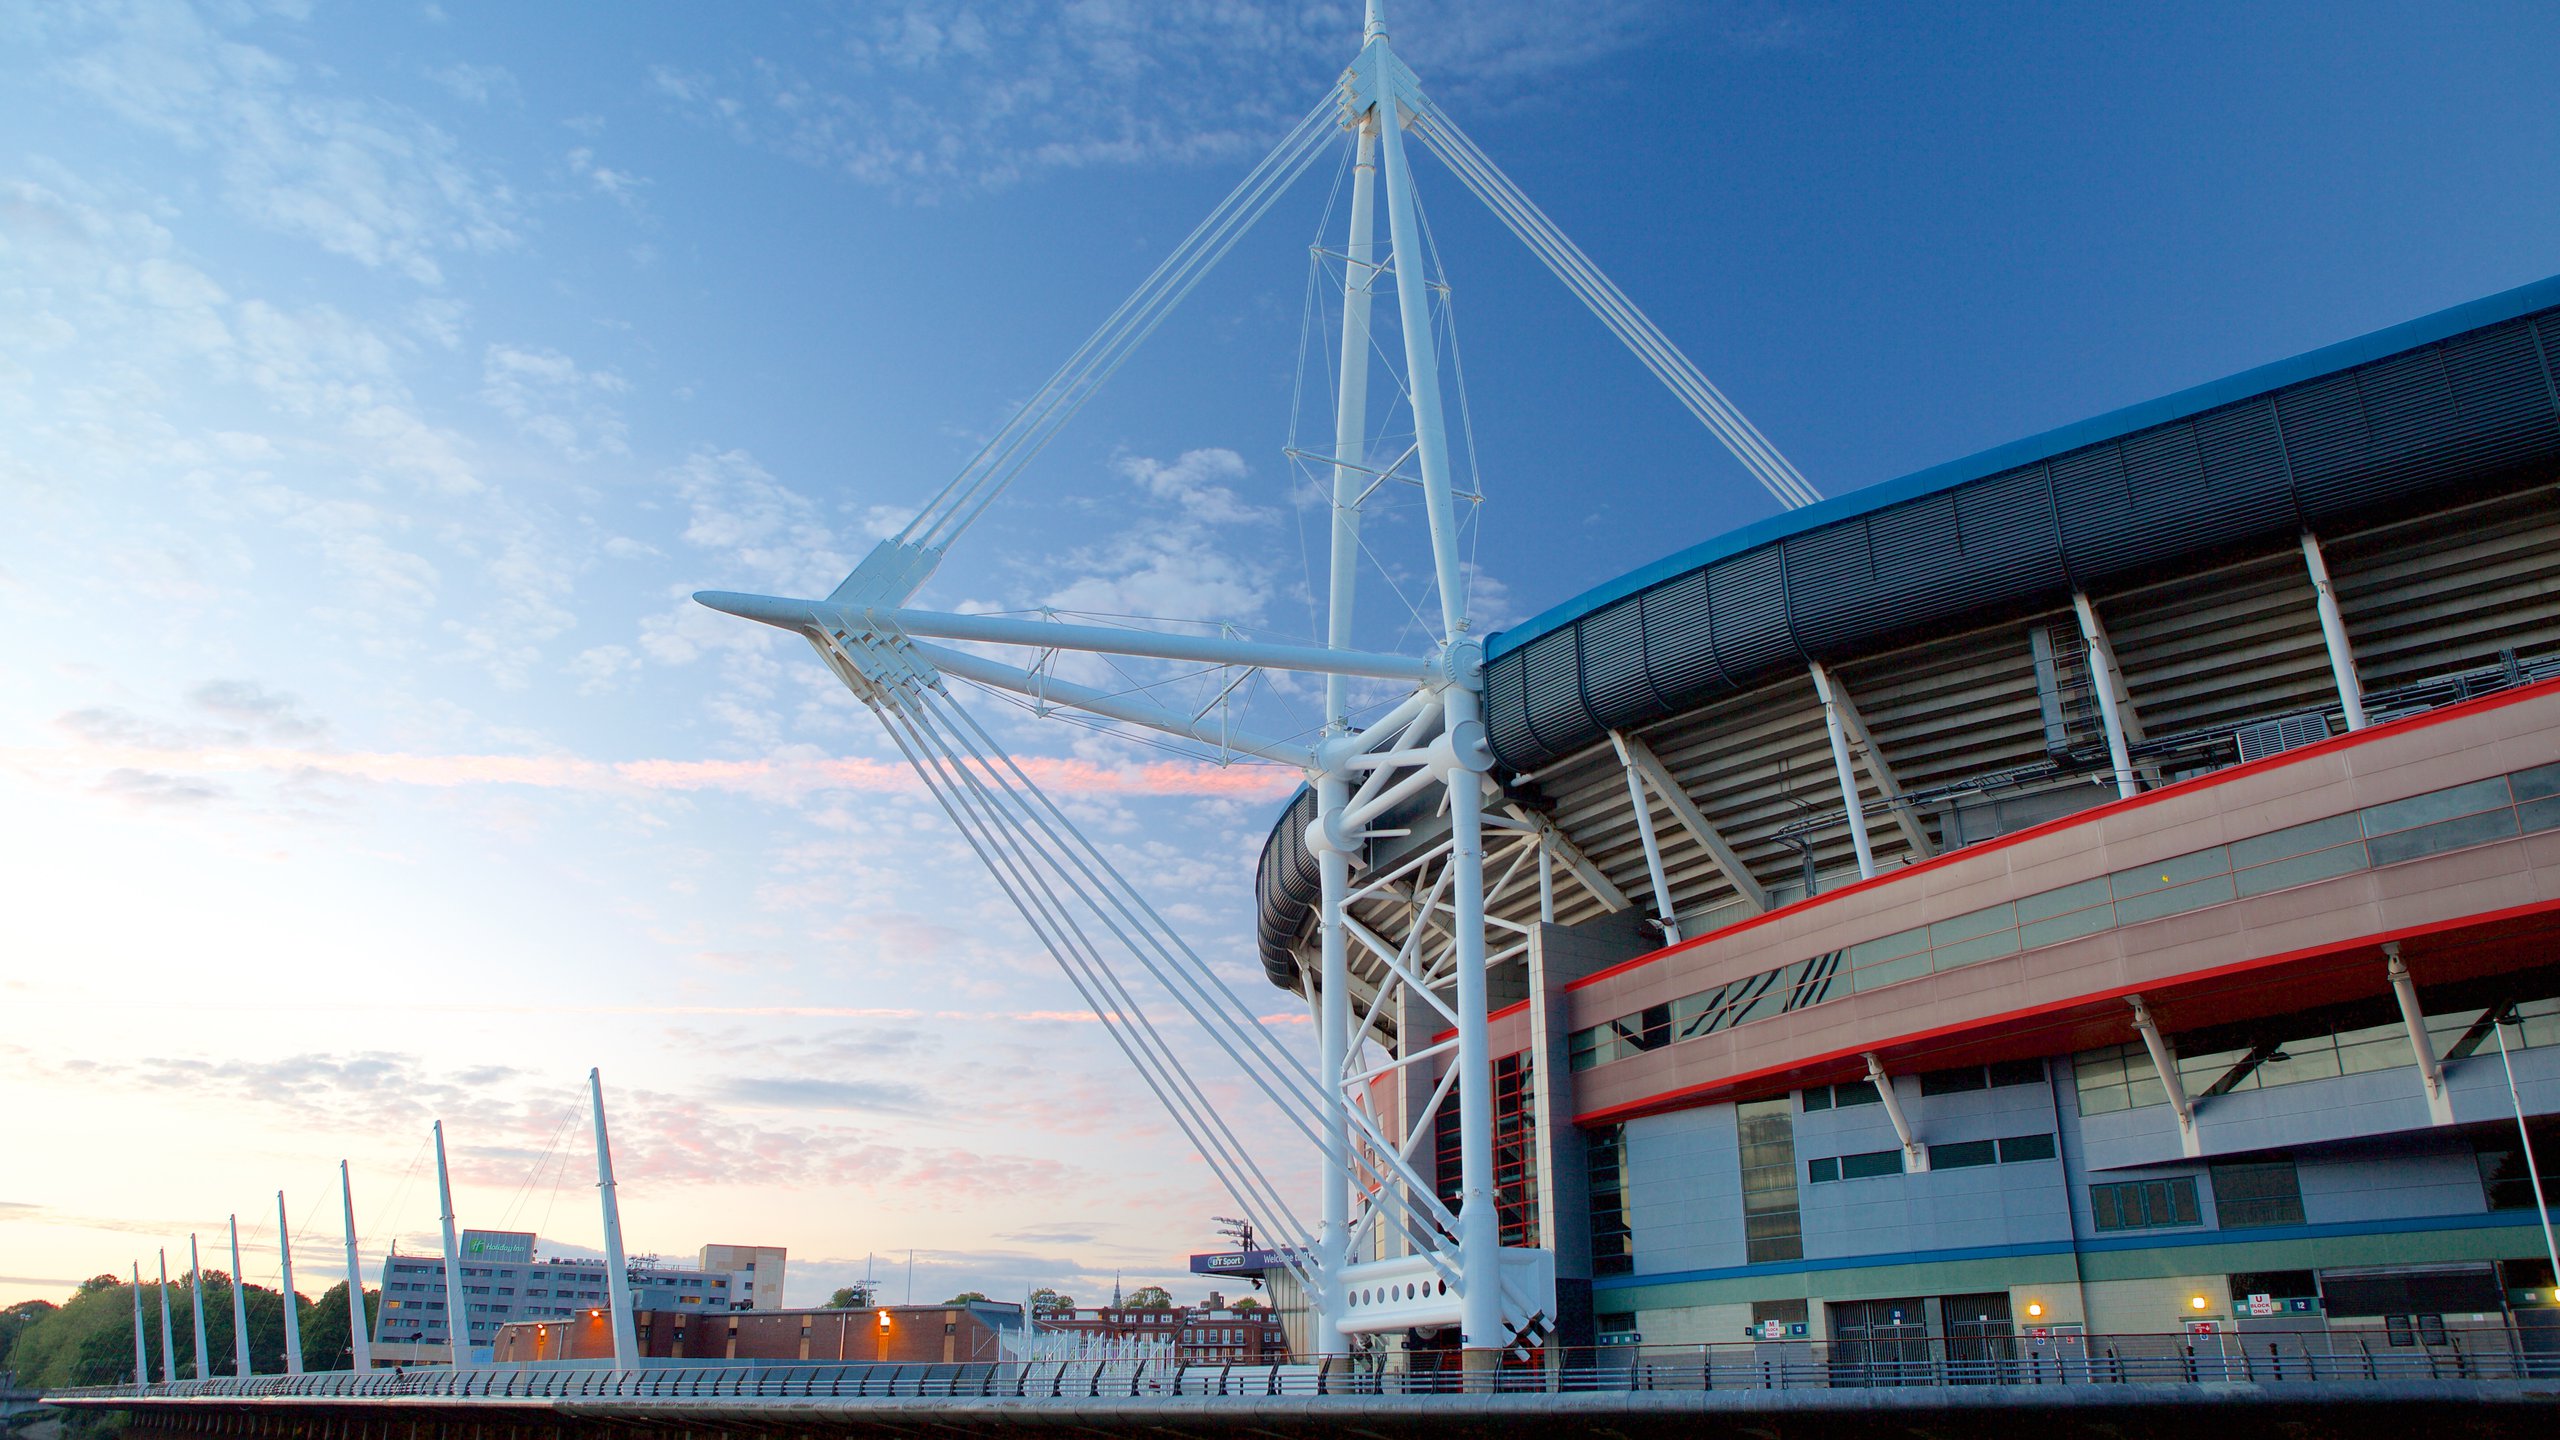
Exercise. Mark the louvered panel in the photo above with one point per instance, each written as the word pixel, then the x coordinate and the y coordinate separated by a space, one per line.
pixel 2326 443
pixel 2011 541
pixel 1551 692
pixel 2447 592
pixel 2238 644
pixel 1679 642
pixel 2410 414
pixel 1506 711
pixel 1615 688
pixel 2248 491
pixel 1831 585
pixel 2501 393
pixel 1747 607
pixel 2093 508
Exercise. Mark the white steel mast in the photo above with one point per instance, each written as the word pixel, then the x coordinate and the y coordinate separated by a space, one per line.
pixel 617 1276
pixel 457 1315
pixel 239 1308
pixel 292 1317
pixel 141 1353
pixel 168 1337
pixel 1435 1265
pixel 195 1292
pixel 359 1325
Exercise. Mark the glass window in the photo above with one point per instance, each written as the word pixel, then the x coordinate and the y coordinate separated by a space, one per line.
pixel 1976 950
pixel 1817 1098
pixel 1973 925
pixel 2295 840
pixel 2258 1194
pixel 1953 1082
pixel 1887 947
pixel 1855 1092
pixel 2145 1204
pixel 1827 1168
pixel 2539 783
pixel 2444 835
pixel 2168 874
pixel 2295 870
pixel 2175 899
pixel 2064 901
pixel 2066 927
pixel 1772 1223
pixel 1870 1164
pixel 1891 972
pixel 2017 1148
pixel 2117 1077
pixel 1963 1154
pixel 2435 806
pixel 2017 1072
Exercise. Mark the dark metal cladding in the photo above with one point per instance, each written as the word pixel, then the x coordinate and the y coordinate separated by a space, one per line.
pixel 2241 470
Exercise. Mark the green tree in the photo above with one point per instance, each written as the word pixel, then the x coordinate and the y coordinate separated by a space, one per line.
pixel 1244 1302
pixel 87 1340
pixel 325 1345
pixel 1149 1297
pixel 17 1320
pixel 965 1297
pixel 851 1297
pixel 1045 1300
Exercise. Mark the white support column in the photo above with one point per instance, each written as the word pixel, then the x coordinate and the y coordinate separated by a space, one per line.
pixel 2333 633
pixel 617 1273
pixel 1879 768
pixel 1479 1228
pixel 1915 1156
pixel 1852 804
pixel 168 1334
pixel 239 1308
pixel 2165 1061
pixel 1560 845
pixel 2405 990
pixel 292 1315
pixel 195 1292
pixel 1333 869
pixel 1351 413
pixel 1643 808
pixel 1640 756
pixel 2104 679
pixel 1546 883
pixel 141 1353
pixel 359 1324
pixel 457 1313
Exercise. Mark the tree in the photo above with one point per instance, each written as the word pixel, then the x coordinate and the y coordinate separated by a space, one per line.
pixel 1149 1297
pixel 1244 1302
pixel 851 1297
pixel 325 1343
pixel 17 1320
pixel 1045 1301
pixel 966 1297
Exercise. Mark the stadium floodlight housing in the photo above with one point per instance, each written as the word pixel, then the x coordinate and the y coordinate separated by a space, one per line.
pixel 1428 1264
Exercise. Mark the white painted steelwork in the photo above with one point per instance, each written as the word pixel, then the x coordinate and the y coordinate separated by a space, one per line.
pixel 195 1292
pixel 2333 634
pixel 239 1307
pixel 292 1314
pixel 359 1325
pixel 141 1356
pixel 617 1274
pixel 168 1336
pixel 1447 1265
pixel 457 1314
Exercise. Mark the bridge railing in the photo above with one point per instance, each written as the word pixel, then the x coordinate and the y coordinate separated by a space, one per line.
pixel 2484 1353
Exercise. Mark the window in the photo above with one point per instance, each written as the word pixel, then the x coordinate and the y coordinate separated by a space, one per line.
pixel 2016 1072
pixel 1964 1154
pixel 1852 1092
pixel 1854 1167
pixel 2145 1204
pixel 1613 1250
pixel 2117 1077
pixel 2248 1196
pixel 2017 1148
pixel 1772 1223
pixel 1954 1082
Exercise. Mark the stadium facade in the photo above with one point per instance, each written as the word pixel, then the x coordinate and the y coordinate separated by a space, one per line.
pixel 2070 891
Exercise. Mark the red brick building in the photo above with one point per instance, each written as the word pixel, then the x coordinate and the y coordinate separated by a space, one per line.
pixel 894 1334
pixel 1211 1334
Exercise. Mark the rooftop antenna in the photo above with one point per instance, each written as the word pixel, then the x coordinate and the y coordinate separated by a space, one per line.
pixel 239 1308
pixel 141 1352
pixel 168 1339
pixel 617 1277
pixel 195 1292
pixel 292 1306
pixel 457 1316
pixel 359 1325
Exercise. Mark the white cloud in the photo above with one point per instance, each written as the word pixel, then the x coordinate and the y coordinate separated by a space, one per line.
pixel 550 398
pixel 921 100
pixel 476 84
pixel 356 176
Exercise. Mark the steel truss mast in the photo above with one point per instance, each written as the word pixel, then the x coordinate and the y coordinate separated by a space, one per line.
pixel 1386 1252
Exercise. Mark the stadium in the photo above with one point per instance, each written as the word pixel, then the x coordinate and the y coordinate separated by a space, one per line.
pixel 2071 892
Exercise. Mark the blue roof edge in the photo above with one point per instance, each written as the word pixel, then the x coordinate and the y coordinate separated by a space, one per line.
pixel 2194 400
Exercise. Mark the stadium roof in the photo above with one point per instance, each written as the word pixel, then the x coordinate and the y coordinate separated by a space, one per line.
pixel 2195 400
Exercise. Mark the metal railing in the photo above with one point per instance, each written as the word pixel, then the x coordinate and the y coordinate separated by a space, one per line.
pixel 2481 1354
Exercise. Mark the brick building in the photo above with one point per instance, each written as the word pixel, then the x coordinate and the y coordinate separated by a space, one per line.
pixel 1208 1334
pixel 894 1334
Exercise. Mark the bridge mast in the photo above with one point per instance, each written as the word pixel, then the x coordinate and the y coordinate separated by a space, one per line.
pixel 617 1278
pixel 457 1315
pixel 359 1340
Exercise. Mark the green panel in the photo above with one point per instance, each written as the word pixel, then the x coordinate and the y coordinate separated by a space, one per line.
pixel 2422 1247
pixel 1953 1277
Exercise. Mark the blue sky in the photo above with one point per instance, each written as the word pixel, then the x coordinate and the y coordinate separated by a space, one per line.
pixel 375 382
